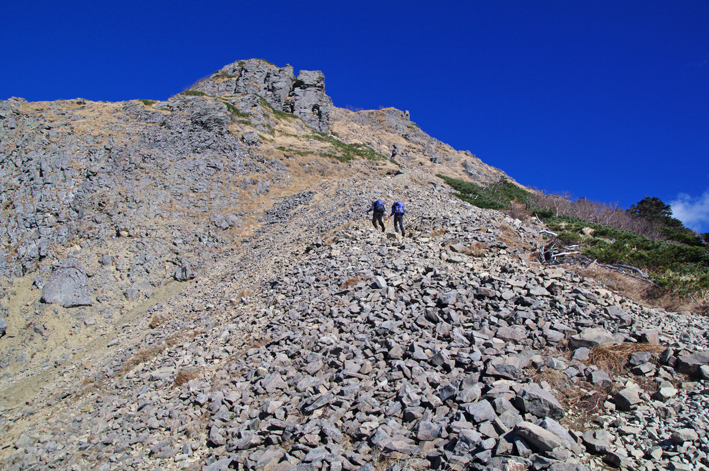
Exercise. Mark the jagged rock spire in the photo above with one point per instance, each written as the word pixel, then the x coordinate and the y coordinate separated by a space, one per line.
pixel 304 97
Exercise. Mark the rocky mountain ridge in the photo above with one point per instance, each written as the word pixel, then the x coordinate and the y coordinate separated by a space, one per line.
pixel 192 284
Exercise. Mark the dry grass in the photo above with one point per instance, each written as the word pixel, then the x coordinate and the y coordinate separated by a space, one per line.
pixel 143 355
pixel 613 358
pixel 350 282
pixel 517 211
pixel 185 375
pixel 476 249
pixel 156 320
pixel 641 291
pixel 509 236
pixel 438 232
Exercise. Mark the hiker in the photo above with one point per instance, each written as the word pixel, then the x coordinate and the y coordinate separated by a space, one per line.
pixel 378 213
pixel 397 210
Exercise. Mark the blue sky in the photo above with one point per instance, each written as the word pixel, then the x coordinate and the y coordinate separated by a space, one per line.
pixel 604 99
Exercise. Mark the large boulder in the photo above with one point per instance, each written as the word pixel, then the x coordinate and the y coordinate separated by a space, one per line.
pixel 538 438
pixel 536 401
pixel 67 286
pixel 592 337
pixel 690 364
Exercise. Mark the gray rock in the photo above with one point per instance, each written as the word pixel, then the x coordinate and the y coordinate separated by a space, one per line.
pixel 600 378
pixel 690 364
pixel 3 326
pixel 618 459
pixel 220 465
pixel 428 431
pixel 481 411
pixel 509 367
pixel 638 358
pixel 684 435
pixel 627 398
pixel 67 286
pixel 184 273
pixel 582 354
pixel 598 441
pixel 250 138
pixel 538 438
pixel 591 337
pixel 516 333
pixel 448 298
pixel 536 401
pixel 557 429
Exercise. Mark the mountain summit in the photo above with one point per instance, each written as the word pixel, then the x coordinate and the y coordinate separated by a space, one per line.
pixel 195 284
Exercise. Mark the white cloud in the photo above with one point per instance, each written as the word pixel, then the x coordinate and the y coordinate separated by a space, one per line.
pixel 693 212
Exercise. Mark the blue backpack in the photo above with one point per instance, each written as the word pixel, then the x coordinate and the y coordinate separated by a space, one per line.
pixel 399 207
pixel 378 205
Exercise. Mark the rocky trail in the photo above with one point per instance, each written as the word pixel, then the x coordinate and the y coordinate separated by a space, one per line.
pixel 353 349
pixel 194 285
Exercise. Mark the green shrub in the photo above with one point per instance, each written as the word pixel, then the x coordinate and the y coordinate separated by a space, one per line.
pixel 148 102
pixel 569 238
pixel 496 196
pixel 681 235
pixel 277 114
pixel 235 111
pixel 349 151
pixel 296 152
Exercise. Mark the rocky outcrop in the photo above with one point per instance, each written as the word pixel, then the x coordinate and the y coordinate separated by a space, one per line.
pixel 303 97
pixel 308 101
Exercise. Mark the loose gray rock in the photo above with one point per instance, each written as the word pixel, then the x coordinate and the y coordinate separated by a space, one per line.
pixel 67 286
pixel 538 402
pixel 537 437
pixel 598 441
pixel 184 273
pixel 591 337
pixel 690 364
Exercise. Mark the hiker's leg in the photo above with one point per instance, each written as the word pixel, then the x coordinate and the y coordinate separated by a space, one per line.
pixel 379 216
pixel 374 219
pixel 399 219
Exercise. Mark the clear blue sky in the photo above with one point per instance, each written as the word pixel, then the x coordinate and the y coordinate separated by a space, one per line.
pixel 604 99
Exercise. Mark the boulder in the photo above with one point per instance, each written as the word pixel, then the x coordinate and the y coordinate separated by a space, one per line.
pixel 67 286
pixel 537 437
pixel 591 337
pixel 184 273
pixel 598 441
pixel 536 401
pixel 690 364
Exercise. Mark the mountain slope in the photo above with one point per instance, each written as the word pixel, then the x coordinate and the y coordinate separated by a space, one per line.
pixel 224 300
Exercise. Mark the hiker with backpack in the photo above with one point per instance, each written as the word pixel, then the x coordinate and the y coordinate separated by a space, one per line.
pixel 378 214
pixel 397 210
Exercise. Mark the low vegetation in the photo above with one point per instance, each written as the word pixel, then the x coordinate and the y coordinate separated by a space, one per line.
pixel 193 93
pixel 644 236
pixel 282 115
pixel 235 111
pixel 148 102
